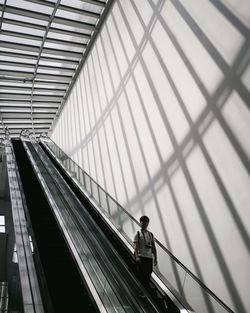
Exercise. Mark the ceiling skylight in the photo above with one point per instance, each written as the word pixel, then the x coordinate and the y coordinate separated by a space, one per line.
pixel 42 48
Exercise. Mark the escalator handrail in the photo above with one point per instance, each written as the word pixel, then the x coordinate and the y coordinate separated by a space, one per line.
pixel 52 203
pixel 172 256
pixel 54 176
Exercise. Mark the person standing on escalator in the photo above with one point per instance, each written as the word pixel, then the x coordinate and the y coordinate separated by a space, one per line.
pixel 145 252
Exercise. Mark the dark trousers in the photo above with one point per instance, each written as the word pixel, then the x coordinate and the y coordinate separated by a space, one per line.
pixel 145 269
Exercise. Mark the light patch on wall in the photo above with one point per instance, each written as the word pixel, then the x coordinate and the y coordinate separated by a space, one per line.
pixel 144 10
pixel 100 83
pixel 76 119
pixel 125 159
pixel 117 46
pixel 133 144
pixel 174 67
pixel 224 36
pixel 201 62
pixel 121 27
pixel 231 170
pixel 168 216
pixel 246 77
pixel 104 70
pixel 216 223
pixel 99 167
pixel 237 116
pixel 95 90
pixel 131 15
pixel 195 237
pixel 164 91
pixel 240 8
pixel 143 129
pixel 114 158
pixel 83 92
pixel 153 112
pixel 89 100
pixel 110 58
pixel 106 161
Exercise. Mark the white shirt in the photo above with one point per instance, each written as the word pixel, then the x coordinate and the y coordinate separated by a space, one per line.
pixel 144 244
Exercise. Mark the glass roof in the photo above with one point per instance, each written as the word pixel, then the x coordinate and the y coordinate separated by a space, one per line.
pixel 42 46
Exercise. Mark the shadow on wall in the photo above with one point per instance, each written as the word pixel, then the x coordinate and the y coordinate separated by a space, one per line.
pixel 160 118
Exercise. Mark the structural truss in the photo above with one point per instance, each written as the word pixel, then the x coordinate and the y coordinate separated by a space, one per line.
pixel 43 45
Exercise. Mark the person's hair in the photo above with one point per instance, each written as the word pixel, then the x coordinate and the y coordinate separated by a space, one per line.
pixel 144 218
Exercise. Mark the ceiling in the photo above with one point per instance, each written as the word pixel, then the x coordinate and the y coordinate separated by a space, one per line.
pixel 43 45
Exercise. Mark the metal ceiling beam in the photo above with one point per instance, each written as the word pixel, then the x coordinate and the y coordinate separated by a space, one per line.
pixel 20 97
pixel 11 115
pixel 69 33
pixel 49 77
pixel 10 21
pixel 49 92
pixel 38 89
pixel 18 55
pixel 28 75
pixel 66 43
pixel 26 13
pixel 43 28
pixel 52 77
pixel 48 3
pixel 10 87
pixel 95 2
pixel 46 17
pixel 55 84
pixel 16 64
pixel 29 126
pixel 39 103
pixel 33 57
pixel 11 120
pixel 8 73
pixel 42 67
pixel 79 11
pixel 7 109
pixel 72 23
pixel 51 4
pixel 71 54
pixel 29 91
pixel 20 107
pixel 24 109
pixel 27 97
pixel 16 132
pixel 17 46
pixel 2 14
pixel 21 35
pixel 40 38
pixel 37 82
pixel 36 49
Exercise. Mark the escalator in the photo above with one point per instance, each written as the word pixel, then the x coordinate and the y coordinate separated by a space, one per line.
pixel 163 301
pixel 65 291
pixel 71 246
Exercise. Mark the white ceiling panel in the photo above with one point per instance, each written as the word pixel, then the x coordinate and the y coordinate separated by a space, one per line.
pixel 43 45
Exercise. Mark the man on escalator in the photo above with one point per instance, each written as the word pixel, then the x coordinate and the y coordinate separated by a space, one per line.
pixel 145 252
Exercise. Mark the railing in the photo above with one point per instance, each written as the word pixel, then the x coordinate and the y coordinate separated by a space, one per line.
pixel 184 283
pixel 4 297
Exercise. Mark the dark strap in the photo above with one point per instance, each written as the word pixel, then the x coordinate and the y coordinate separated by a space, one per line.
pixel 151 236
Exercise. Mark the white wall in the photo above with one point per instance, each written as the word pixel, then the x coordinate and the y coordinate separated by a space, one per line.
pixel 159 116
